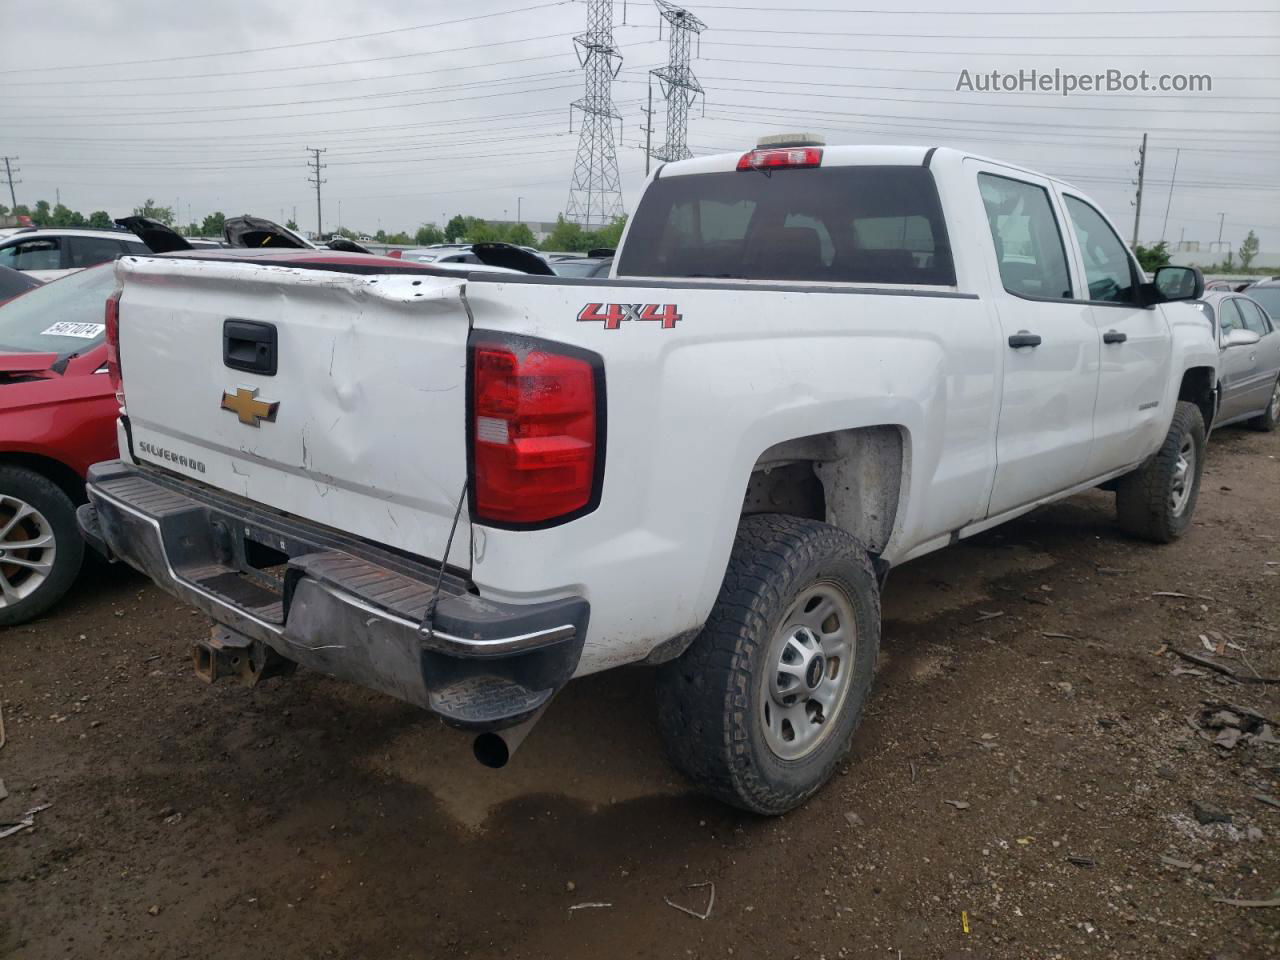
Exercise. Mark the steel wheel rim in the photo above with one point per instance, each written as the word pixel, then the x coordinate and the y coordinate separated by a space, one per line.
pixel 27 550
pixel 1275 402
pixel 1184 471
pixel 808 671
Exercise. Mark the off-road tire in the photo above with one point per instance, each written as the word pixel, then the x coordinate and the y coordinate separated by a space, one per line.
pixel 52 501
pixel 1269 419
pixel 1144 497
pixel 709 698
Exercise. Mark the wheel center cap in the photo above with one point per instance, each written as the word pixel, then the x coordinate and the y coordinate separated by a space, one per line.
pixel 814 672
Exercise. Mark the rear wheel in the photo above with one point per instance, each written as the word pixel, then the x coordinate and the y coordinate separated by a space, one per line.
pixel 763 705
pixel 40 544
pixel 1156 501
pixel 1270 417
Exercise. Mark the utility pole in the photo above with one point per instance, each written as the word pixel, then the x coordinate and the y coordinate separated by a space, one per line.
pixel 1172 181
pixel 1221 218
pixel 519 204
pixel 679 86
pixel 9 171
pixel 316 166
pixel 648 128
pixel 595 192
pixel 1142 172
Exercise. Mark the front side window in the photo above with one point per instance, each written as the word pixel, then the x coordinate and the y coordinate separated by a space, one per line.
pixel 1028 243
pixel 1229 316
pixel 1107 267
pixel 845 224
pixel 42 254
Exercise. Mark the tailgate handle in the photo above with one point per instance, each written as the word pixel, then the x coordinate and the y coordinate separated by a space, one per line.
pixel 250 346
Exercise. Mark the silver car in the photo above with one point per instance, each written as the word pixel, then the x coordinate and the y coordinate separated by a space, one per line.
pixel 1249 364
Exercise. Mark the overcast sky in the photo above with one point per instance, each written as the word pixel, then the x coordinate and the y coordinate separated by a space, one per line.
pixel 430 118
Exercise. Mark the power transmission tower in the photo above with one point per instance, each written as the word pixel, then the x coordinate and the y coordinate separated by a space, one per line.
pixel 680 87
pixel 316 166
pixel 9 171
pixel 595 195
pixel 1142 172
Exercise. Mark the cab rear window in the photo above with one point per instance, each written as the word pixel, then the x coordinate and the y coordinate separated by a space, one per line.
pixel 862 224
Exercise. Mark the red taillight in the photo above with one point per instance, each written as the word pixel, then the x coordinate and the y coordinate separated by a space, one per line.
pixel 397 254
pixel 775 157
pixel 534 433
pixel 112 322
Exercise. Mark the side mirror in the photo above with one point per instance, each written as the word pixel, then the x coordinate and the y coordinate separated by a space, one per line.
pixel 1178 283
pixel 1240 338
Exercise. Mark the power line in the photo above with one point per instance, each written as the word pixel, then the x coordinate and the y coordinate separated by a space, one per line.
pixel 1215 132
pixel 1012 36
pixel 45 82
pixel 1058 105
pixel 293 46
pixel 496 81
pixel 288 116
pixel 931 134
pixel 1127 54
pixel 809 64
pixel 258 88
pixel 976 13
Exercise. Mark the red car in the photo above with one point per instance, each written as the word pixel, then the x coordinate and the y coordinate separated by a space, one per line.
pixel 57 416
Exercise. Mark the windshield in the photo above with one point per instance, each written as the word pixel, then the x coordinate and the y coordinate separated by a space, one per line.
pixel 853 224
pixel 1269 297
pixel 13 282
pixel 65 316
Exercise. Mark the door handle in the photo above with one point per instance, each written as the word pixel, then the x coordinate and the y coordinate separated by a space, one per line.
pixel 250 346
pixel 1114 336
pixel 1024 338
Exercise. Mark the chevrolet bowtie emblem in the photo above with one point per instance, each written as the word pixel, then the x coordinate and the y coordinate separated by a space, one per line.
pixel 244 403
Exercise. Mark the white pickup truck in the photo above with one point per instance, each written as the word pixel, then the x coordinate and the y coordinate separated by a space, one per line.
pixel 810 364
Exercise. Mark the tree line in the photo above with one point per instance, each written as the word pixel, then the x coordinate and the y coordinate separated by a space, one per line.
pixel 566 237
pixel 1157 255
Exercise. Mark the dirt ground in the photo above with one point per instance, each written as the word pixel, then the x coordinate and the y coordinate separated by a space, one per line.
pixel 1027 785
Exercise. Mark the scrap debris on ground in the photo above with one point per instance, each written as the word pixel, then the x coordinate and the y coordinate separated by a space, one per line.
pixel 1062 780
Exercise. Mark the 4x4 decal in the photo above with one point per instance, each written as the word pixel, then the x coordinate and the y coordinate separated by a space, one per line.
pixel 613 314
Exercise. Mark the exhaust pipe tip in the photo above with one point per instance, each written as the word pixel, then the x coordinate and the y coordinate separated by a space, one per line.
pixel 491 750
pixel 495 748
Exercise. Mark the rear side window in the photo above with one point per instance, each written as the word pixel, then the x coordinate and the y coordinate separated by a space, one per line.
pixel 1028 242
pixel 871 224
pixel 1253 317
pixel 91 251
pixel 42 254
pixel 1107 267
pixel 1269 297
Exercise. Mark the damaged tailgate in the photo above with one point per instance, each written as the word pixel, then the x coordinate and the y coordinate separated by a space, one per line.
pixel 335 396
